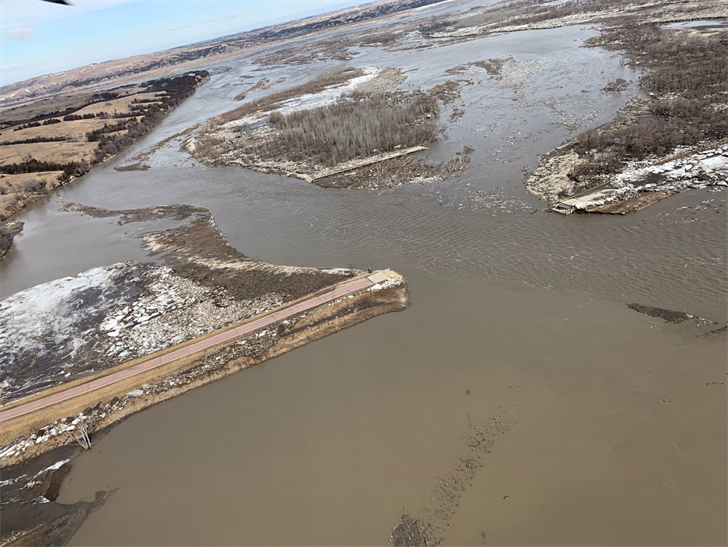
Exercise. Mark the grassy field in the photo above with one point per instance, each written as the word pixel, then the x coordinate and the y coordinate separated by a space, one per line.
pixel 120 105
pixel 73 130
pixel 10 182
pixel 59 152
pixel 18 191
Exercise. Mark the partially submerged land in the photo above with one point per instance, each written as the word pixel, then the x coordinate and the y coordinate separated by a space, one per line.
pixel 672 138
pixel 335 132
pixel 77 326
pixel 49 143
pixel 30 515
pixel 161 63
pixel 669 139
pixel 80 329
pixel 342 129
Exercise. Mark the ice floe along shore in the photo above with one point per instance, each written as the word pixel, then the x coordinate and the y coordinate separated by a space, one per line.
pixel 644 182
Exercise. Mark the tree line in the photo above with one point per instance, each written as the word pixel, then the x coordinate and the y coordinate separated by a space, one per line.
pixel 73 168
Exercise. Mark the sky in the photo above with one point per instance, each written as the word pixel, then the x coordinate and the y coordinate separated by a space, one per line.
pixel 40 38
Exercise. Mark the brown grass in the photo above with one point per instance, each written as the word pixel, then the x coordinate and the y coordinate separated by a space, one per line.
pixel 382 38
pixel 18 191
pixel 44 107
pixel 8 182
pixel 120 105
pixel 59 152
pixel 74 130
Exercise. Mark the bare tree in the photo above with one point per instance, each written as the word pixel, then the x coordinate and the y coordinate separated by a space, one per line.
pixel 82 434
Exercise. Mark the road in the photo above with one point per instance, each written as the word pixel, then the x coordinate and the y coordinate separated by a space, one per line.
pixel 285 312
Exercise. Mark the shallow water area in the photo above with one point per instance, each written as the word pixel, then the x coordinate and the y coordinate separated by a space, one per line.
pixel 607 426
pixel 337 437
pixel 699 25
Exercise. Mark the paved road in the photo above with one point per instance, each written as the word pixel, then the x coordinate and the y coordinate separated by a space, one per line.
pixel 340 290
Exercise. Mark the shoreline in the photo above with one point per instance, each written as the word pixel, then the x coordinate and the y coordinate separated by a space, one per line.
pixel 21 433
pixel 10 228
pixel 669 138
pixel 34 474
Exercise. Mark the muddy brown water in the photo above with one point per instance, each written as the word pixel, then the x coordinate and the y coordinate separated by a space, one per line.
pixel 608 426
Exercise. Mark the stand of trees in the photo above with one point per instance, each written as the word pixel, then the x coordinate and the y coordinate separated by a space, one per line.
pixel 72 117
pixel 356 128
pixel 34 140
pixel 73 168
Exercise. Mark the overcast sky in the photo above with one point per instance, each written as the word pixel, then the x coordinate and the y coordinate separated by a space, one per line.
pixel 39 37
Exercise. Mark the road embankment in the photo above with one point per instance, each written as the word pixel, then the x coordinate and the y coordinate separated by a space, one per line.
pixel 29 434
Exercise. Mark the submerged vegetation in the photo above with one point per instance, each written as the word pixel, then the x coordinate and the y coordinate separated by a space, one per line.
pixel 686 81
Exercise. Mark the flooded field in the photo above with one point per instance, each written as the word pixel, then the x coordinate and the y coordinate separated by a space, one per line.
pixel 580 421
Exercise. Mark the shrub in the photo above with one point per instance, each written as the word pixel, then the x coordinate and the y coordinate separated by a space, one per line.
pixel 376 39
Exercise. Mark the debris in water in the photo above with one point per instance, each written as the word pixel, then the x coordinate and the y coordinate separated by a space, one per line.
pixel 409 532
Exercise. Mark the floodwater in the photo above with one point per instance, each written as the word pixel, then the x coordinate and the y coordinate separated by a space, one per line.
pixel 609 426
pixel 699 25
